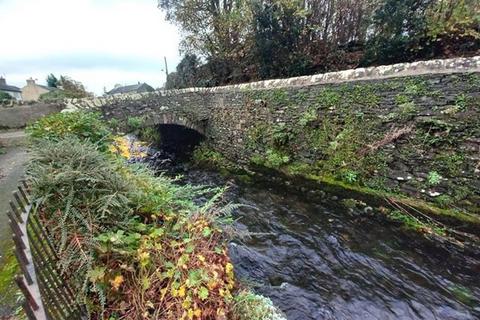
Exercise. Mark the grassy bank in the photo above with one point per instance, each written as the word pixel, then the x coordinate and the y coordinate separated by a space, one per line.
pixel 133 244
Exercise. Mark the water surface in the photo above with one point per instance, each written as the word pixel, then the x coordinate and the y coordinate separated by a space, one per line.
pixel 317 259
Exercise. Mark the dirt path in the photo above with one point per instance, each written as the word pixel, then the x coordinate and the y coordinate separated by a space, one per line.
pixel 12 168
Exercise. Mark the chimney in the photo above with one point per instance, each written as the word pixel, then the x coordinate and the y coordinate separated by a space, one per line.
pixel 30 82
pixel 3 82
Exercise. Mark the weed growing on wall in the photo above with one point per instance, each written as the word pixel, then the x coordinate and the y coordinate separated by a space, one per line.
pixel 372 134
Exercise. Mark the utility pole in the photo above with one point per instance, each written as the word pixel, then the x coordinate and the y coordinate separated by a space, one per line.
pixel 166 67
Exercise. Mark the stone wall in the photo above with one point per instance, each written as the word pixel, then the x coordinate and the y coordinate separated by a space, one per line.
pixel 18 116
pixel 408 128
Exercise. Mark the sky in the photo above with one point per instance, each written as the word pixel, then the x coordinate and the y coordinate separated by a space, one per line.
pixel 98 42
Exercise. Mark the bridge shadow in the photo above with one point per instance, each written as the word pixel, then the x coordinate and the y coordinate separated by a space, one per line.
pixel 178 139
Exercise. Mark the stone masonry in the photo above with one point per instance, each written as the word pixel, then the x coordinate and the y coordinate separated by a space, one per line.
pixel 436 103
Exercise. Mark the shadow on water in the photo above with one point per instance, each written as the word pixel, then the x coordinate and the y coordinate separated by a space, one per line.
pixel 316 259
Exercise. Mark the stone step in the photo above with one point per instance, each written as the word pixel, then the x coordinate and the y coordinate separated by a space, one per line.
pixel 13 138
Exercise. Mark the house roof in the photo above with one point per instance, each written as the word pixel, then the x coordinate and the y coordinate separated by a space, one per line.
pixel 6 87
pixel 140 87
pixel 46 88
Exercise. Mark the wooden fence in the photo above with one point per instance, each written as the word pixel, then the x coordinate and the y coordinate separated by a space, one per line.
pixel 47 295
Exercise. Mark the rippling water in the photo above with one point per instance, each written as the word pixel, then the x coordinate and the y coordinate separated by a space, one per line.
pixel 316 259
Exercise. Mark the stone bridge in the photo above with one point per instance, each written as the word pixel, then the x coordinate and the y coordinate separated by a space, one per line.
pixel 411 117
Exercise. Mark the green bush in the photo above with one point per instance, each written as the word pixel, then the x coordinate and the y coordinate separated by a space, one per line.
pixel 5 96
pixel 83 125
pixel 275 159
pixel 80 190
pixel 53 96
pixel 203 155
pixel 434 178
pixel 134 124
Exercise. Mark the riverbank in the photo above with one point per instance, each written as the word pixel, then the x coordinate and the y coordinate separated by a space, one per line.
pixel 130 243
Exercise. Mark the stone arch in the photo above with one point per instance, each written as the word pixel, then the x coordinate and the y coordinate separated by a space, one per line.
pixel 171 118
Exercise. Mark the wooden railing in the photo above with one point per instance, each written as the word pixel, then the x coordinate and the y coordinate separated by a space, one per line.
pixel 47 294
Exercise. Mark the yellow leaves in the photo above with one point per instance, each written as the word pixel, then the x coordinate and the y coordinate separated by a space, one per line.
pixel 186 304
pixel 174 292
pixel 197 313
pixel 201 257
pixel 145 283
pixel 212 284
pixel 117 282
pixel 221 312
pixel 163 292
pixel 143 258
pixel 127 148
pixel 229 270
pixel 192 313
pixel 181 291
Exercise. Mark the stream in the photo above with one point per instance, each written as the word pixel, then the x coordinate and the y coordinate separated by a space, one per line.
pixel 317 259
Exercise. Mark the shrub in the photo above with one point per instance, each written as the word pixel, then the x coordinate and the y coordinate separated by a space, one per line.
pixel 205 156
pixel 118 226
pixel 275 159
pixel 5 96
pixel 83 125
pixel 250 306
pixel 53 96
pixel 134 124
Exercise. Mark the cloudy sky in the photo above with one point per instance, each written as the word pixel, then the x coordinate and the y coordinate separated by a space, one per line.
pixel 98 42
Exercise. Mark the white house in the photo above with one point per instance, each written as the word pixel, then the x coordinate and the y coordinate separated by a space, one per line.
pixel 11 90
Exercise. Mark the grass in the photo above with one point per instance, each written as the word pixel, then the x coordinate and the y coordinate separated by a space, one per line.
pixel 445 216
pixel 7 273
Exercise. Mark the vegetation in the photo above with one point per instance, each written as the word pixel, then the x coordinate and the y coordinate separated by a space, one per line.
pixel 204 155
pixel 238 41
pixel 67 88
pixel 133 244
pixel 83 125
pixel 9 269
pixel 250 306
pixel 434 178
pixel 409 221
pixel 52 81
pixel 5 96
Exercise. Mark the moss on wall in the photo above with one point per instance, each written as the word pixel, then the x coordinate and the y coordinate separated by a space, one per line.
pixel 414 140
